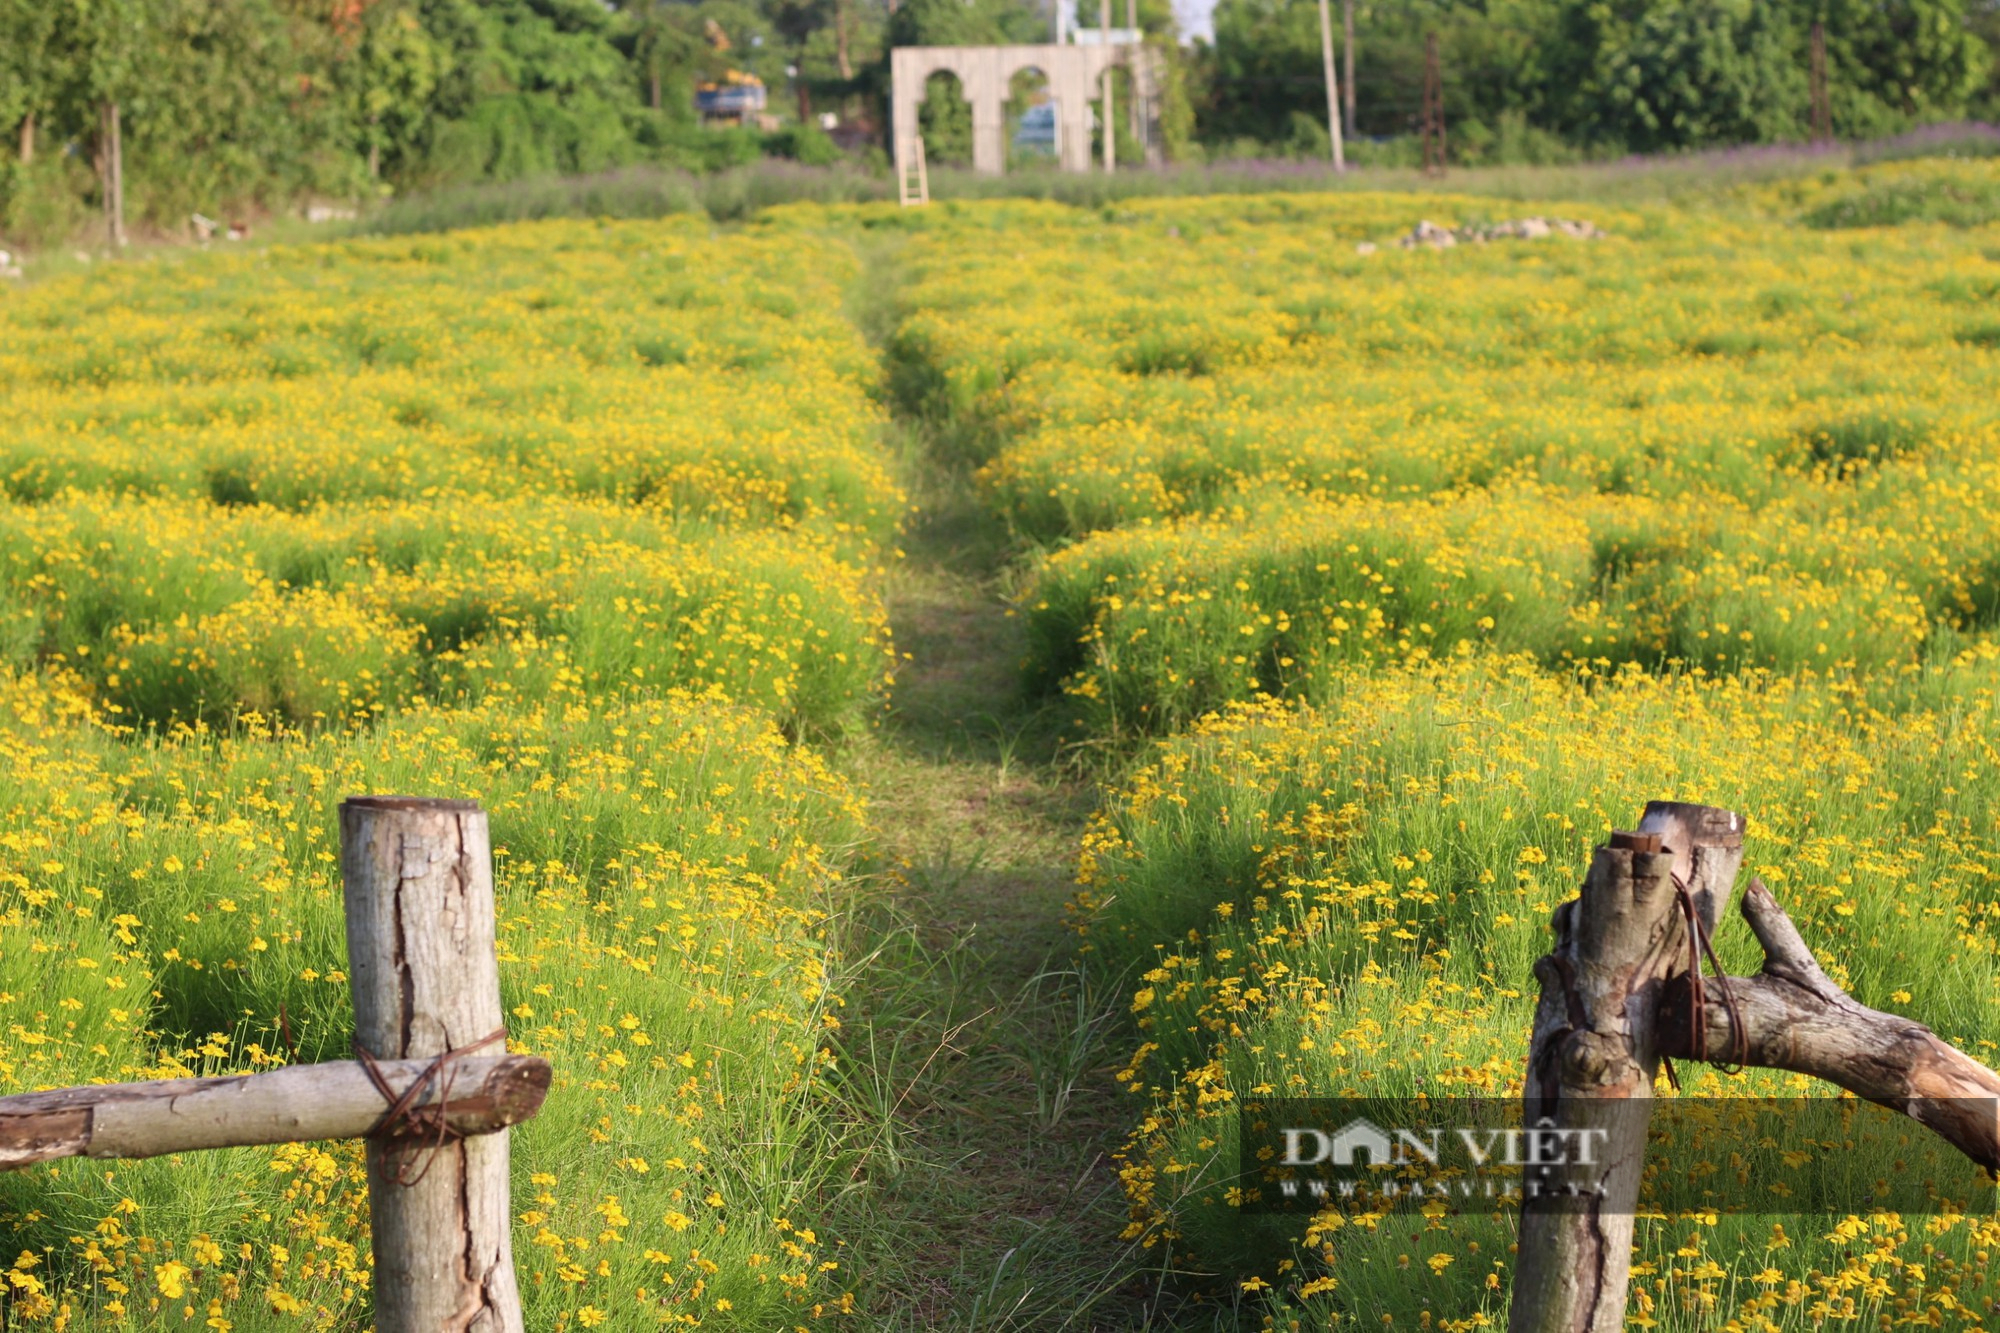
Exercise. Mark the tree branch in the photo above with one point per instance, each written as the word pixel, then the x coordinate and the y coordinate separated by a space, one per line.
pixel 1795 1018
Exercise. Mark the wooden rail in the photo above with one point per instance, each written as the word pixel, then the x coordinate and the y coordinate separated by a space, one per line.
pixel 432 1089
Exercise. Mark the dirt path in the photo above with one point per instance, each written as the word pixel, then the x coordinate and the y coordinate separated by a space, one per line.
pixel 994 1207
pixel 987 1200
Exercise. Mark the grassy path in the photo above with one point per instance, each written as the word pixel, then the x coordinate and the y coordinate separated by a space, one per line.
pixel 996 1208
pixel 987 1201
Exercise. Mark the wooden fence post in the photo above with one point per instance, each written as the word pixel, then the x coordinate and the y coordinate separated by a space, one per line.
pixel 418 878
pixel 1632 981
pixel 1596 1049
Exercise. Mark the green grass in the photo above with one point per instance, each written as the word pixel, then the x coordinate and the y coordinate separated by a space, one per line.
pixel 1485 672
pixel 635 192
pixel 741 192
pixel 1889 203
pixel 259 954
pixel 975 1058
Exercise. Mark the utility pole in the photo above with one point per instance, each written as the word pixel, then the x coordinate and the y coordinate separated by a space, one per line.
pixel 1137 111
pixel 1822 108
pixel 114 174
pixel 1432 127
pixel 1110 123
pixel 1332 86
pixel 1347 58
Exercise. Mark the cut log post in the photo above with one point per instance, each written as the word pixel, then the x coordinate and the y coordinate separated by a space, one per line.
pixel 1596 1041
pixel 294 1105
pixel 418 878
pixel 1626 986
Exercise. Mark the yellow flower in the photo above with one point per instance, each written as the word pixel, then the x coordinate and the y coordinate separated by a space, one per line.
pixel 171 1277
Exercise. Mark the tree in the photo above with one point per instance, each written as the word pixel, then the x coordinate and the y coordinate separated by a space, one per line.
pixel 1894 62
pixel 1266 64
pixel 27 67
pixel 1681 74
pixel 1703 72
pixel 533 87
pixel 966 23
pixel 235 103
pixel 104 49
pixel 388 78
pixel 660 45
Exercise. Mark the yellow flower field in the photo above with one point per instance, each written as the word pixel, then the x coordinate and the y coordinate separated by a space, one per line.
pixel 580 521
pixel 1381 583
pixel 1431 567
pixel 1669 444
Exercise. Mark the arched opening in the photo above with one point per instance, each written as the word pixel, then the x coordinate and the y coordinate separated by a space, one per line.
pixel 1126 111
pixel 1034 121
pixel 945 121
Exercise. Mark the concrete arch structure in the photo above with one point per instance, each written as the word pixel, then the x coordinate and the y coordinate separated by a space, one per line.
pixel 985 73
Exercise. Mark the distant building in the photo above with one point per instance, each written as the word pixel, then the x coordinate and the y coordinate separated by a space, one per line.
pixel 1074 76
pixel 1096 37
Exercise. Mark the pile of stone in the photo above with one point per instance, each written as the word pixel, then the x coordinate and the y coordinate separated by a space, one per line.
pixel 1526 229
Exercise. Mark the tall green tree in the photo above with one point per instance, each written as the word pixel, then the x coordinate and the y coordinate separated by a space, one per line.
pixel 1891 63
pixel 388 73
pixel 237 102
pixel 102 61
pixel 534 87
pixel 1682 74
pixel 1982 20
pixel 1264 66
pixel 28 68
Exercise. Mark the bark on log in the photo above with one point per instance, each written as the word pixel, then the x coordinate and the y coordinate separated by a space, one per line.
pixel 418 877
pixel 1796 1018
pixel 1596 1042
pixel 298 1104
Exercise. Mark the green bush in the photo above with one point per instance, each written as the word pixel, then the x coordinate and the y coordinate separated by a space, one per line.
pixel 46 202
pixel 804 143
pixel 1959 201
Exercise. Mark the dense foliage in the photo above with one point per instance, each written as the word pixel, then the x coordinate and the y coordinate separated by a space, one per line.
pixel 1538 78
pixel 226 104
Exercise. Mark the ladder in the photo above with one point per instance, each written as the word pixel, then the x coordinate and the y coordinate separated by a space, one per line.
pixel 913 181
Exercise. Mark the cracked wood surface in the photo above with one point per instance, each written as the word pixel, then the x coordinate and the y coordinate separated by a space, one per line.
pixel 418 879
